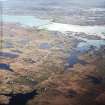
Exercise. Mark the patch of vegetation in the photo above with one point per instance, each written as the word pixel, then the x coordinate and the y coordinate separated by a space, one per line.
pixel 25 80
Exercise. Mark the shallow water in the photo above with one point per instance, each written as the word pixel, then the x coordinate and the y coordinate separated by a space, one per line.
pixel 45 46
pixel 25 20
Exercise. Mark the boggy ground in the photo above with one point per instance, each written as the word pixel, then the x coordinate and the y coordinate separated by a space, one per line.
pixel 28 57
pixel 32 66
pixel 80 85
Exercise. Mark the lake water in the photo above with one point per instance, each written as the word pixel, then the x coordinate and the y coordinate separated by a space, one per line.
pixel 5 66
pixel 81 48
pixel 86 45
pixel 32 21
pixel 74 28
pixel 45 46
pixel 74 59
pixel 21 99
